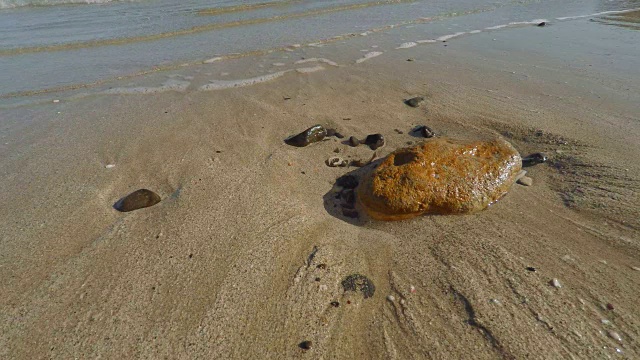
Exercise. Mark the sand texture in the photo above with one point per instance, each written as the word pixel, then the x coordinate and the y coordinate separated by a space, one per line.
pixel 248 252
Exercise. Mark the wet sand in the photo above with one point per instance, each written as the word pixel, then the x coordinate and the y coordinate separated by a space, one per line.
pixel 246 252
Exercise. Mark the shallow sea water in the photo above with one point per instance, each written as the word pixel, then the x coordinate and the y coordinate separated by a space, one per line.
pixel 59 49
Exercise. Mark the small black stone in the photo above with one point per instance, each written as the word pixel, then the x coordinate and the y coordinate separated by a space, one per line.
pixel 414 102
pixel 306 345
pixel 190 256
pixel 542 24
pixel 374 141
pixel 347 181
pixel 530 268
pixel 317 279
pixel 313 134
pixel 335 304
pixel 534 159
pixel 137 200
pixel 426 131
pixel 361 283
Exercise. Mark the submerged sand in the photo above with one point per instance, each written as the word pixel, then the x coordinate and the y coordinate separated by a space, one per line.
pixel 246 253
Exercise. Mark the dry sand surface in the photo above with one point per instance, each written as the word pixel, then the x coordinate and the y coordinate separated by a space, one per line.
pixel 246 252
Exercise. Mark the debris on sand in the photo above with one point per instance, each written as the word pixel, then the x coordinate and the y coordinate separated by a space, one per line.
pixel 361 283
pixel 375 141
pixel 534 159
pixel 137 200
pixel 313 134
pixel 441 176
pixel 414 102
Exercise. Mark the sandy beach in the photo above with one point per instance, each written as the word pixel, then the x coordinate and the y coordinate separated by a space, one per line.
pixel 245 256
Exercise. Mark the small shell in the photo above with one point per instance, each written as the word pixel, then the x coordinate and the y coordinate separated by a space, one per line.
pixel 614 335
pixel 391 298
pixel 336 161
pixel 556 283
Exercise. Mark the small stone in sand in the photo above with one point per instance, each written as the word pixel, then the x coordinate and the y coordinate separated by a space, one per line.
pixel 110 166
pixel 336 161
pixel 556 283
pixel 426 132
pixel 521 174
pixel 313 134
pixel 615 336
pixel 526 181
pixel 306 345
pixel 374 141
pixel 542 24
pixel 335 304
pixel 610 306
pixel 398 131
pixel 391 298
pixel 412 289
pixel 137 200
pixel 533 159
pixel 636 268
pixel 336 150
pixel 530 268
pixel 605 321
pixel 414 102
pixel 56 101
pixel 353 141
pixel 410 59
pixel 357 282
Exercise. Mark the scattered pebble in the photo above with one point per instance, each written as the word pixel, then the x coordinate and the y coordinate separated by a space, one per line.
pixel 410 59
pixel 56 101
pixel 336 161
pixel 495 301
pixel 530 268
pixel 521 174
pixel 533 159
pixel 614 335
pixel 374 141
pixel 323 287
pixel 635 268
pixel 391 298
pixel 353 141
pixel 426 132
pixel 414 102
pixel 556 283
pixel 306 345
pixel 110 166
pixel 398 131
pixel 335 304
pixel 526 181
pixel 137 200
pixel 610 306
pixel 605 321
pixel 321 266
pixel 313 134
pixel 542 24
pixel 402 302
pixel 361 283
pixel 412 289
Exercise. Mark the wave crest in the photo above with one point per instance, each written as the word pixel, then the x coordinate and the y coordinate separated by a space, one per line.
pixel 10 4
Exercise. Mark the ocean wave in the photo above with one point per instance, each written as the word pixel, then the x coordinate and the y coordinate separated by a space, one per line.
pixel 10 4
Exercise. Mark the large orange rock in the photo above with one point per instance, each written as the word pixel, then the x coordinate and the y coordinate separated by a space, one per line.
pixel 440 176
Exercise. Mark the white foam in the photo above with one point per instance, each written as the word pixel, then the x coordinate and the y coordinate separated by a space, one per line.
pixel 169 85
pixel 450 36
pixel 596 14
pixel 407 45
pixel 368 56
pixel 496 27
pixel 322 60
pixel 475 31
pixel 279 64
pixel 212 60
pixel 9 4
pixel 428 41
pixel 307 70
pixel 227 84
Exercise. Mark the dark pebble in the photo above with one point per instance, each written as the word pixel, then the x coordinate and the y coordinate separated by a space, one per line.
pixel 610 306
pixel 306 345
pixel 317 279
pixel 542 24
pixel 338 135
pixel 426 132
pixel 374 141
pixel 353 141
pixel 313 134
pixel 335 304
pixel 137 200
pixel 410 59
pixel 361 283
pixel 321 266
pixel 414 102
pixel 534 159
pixel 531 268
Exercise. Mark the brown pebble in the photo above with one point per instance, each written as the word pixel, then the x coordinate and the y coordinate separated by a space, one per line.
pixel 414 102
pixel 353 141
pixel 306 345
pixel 137 200
pixel 335 304
pixel 610 306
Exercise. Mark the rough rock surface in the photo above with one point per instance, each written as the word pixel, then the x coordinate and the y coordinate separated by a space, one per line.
pixel 441 176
